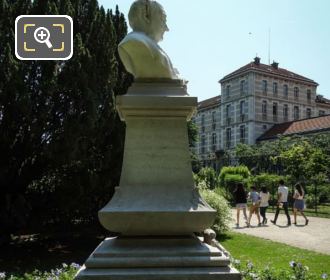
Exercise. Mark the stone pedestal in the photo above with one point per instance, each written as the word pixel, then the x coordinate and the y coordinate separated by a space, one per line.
pixel 156 209
pixel 157 258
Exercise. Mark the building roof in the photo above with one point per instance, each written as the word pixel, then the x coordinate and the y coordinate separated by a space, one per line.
pixel 322 100
pixel 304 126
pixel 209 103
pixel 268 70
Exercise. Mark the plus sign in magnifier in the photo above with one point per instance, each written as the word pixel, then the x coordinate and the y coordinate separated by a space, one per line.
pixel 41 35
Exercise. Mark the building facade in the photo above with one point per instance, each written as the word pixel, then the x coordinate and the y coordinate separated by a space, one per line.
pixel 207 120
pixel 253 99
pixel 258 96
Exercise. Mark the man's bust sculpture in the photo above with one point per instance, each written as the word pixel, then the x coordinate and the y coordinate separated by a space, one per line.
pixel 139 51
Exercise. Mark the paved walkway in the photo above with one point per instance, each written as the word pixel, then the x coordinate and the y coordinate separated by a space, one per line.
pixel 315 236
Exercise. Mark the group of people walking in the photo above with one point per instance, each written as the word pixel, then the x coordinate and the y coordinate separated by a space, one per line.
pixel 259 202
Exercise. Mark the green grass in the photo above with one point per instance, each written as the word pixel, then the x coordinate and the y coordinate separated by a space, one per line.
pixel 323 211
pixel 262 252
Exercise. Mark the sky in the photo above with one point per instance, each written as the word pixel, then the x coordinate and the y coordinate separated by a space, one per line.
pixel 210 39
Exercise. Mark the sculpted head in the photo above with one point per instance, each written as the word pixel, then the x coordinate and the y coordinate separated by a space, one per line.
pixel 149 17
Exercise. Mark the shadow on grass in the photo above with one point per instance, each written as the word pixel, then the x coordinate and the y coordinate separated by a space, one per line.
pixel 46 251
pixel 224 237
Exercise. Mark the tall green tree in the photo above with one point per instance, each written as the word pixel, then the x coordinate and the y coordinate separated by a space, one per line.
pixel 61 140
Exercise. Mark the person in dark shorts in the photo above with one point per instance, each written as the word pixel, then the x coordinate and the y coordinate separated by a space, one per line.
pixel 255 203
pixel 264 198
pixel 299 203
pixel 240 201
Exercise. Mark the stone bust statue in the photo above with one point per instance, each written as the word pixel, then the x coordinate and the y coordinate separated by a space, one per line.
pixel 139 51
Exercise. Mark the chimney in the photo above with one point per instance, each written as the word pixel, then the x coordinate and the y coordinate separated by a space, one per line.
pixel 257 60
pixel 275 65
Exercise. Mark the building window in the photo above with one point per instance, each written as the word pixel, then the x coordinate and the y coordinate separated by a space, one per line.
pixel 275 88
pixel 285 112
pixel 321 113
pixel 228 90
pixel 203 123
pixel 309 95
pixel 214 142
pixel 296 93
pixel 295 112
pixel 285 91
pixel 228 137
pixel 264 109
pixel 264 87
pixel 214 138
pixel 242 133
pixel 241 110
pixel 243 87
pixel 228 112
pixel 203 144
pixel 241 107
pixel 308 113
pixel 214 120
pixel 275 112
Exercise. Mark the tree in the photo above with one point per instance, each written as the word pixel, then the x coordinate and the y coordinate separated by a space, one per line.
pixel 61 140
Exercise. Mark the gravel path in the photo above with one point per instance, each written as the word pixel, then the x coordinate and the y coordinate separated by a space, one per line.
pixel 315 236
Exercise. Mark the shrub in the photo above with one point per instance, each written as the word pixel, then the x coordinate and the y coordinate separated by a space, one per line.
pixel 310 201
pixel 240 170
pixel 297 272
pixel 231 175
pixel 220 204
pixel 207 175
pixel 66 272
pixel 322 192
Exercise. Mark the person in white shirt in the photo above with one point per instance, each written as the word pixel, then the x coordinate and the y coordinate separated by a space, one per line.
pixel 282 202
pixel 299 204
pixel 264 198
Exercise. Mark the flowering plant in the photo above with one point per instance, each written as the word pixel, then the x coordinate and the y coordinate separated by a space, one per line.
pixel 66 272
pixel 295 271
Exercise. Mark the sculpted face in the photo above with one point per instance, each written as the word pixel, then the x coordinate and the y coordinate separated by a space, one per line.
pixel 139 51
pixel 148 17
pixel 157 24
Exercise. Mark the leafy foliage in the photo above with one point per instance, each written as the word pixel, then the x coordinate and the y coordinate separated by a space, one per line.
pixel 298 271
pixel 208 176
pixel 61 140
pixel 66 272
pixel 300 156
pixel 218 203
pixel 231 175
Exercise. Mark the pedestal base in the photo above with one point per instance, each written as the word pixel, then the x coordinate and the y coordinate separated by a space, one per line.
pixel 156 194
pixel 142 258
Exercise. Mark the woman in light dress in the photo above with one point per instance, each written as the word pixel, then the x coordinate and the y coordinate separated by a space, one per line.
pixel 299 203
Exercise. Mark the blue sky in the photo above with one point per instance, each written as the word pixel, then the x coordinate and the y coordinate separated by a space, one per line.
pixel 211 38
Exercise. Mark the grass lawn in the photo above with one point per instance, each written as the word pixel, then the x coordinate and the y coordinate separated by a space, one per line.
pixel 48 251
pixel 262 252
pixel 323 211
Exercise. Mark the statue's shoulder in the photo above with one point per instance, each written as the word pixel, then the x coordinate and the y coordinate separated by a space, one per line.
pixel 138 40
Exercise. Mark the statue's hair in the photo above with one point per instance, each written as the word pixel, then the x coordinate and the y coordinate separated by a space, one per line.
pixel 140 12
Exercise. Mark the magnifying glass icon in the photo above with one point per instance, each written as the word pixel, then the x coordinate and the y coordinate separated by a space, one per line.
pixel 41 35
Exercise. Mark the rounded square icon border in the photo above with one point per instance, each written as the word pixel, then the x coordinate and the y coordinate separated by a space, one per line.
pixel 45 16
